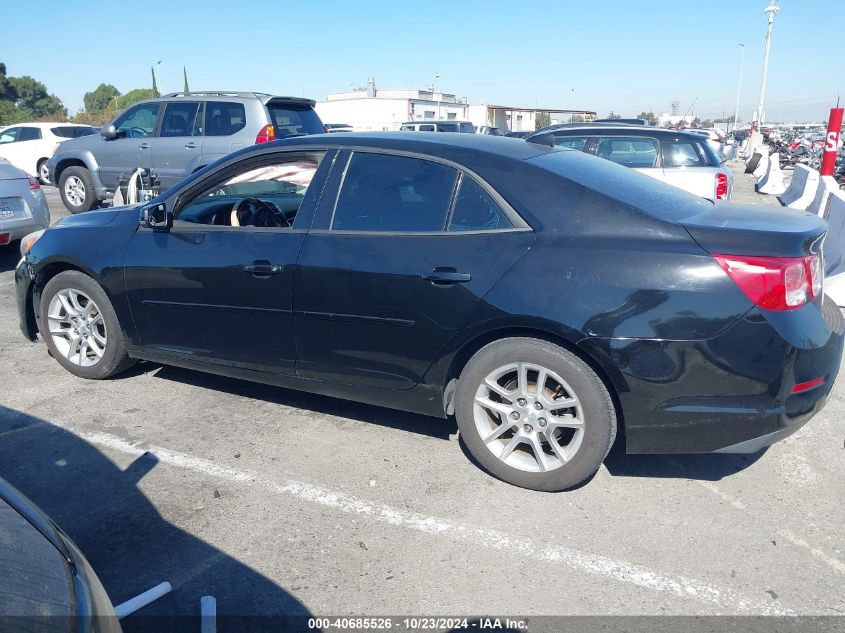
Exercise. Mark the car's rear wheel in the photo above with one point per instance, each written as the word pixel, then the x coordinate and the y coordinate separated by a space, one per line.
pixel 77 189
pixel 534 414
pixel 80 327
pixel 43 172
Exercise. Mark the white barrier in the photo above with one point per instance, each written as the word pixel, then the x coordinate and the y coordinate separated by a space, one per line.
pixel 771 182
pixel 744 147
pixel 762 166
pixel 834 247
pixel 730 152
pixel 802 189
pixel 825 186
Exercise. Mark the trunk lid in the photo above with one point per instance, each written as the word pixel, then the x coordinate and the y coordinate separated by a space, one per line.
pixel 734 229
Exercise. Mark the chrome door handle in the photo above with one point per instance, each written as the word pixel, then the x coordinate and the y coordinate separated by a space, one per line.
pixel 262 269
pixel 190 145
pixel 447 276
pixel 144 146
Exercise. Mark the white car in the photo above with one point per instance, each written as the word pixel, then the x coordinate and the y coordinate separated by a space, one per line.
pixel 29 145
pixel 23 206
pixel 715 138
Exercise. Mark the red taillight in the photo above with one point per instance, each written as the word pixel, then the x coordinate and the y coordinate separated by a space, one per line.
pixel 266 134
pixel 775 283
pixel 810 384
pixel 721 186
pixel 33 183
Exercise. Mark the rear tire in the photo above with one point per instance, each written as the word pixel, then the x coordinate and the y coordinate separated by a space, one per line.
pixel 77 189
pixel 42 172
pixel 80 327
pixel 546 439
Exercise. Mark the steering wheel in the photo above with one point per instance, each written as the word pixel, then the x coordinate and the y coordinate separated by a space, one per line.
pixel 136 132
pixel 257 212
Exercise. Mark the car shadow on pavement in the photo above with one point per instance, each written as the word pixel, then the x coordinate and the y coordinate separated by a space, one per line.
pixel 130 545
pixel 10 255
pixel 390 418
pixel 706 466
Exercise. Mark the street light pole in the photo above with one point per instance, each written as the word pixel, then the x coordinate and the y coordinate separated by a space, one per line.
pixel 771 10
pixel 739 88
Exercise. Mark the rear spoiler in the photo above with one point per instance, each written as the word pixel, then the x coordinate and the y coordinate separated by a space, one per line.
pixel 300 101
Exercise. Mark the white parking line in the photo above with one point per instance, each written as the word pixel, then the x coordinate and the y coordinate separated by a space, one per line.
pixel 618 570
pixel 815 551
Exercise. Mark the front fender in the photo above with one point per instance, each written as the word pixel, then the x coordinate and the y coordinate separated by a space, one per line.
pixel 63 159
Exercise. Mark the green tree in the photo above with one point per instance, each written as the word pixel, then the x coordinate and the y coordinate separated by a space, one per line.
pixel 613 115
pixel 101 98
pixel 134 96
pixel 541 120
pixel 696 122
pixel 186 90
pixel 34 98
pixel 155 87
pixel 648 116
pixel 7 88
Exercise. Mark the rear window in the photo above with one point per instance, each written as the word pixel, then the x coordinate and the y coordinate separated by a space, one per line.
pixel 634 152
pixel 688 153
pixel 72 131
pixel 572 142
pixel 288 120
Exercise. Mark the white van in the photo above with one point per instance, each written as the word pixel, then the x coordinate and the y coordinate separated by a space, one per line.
pixel 464 127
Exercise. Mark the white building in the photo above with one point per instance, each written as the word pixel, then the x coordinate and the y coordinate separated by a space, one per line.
pixel 386 109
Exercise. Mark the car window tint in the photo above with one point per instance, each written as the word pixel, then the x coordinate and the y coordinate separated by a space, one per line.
pixel 288 120
pixel 72 131
pixel 572 142
pixel 629 151
pixel 394 193
pixel 467 128
pixel 426 128
pixel 224 118
pixel 179 119
pixel 447 127
pixel 475 210
pixel 137 122
pixel 199 122
pixel 29 134
pixel 683 153
pixel 279 189
pixel 406 128
pixel 9 135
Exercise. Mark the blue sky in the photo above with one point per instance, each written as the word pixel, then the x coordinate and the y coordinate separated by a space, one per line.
pixel 621 55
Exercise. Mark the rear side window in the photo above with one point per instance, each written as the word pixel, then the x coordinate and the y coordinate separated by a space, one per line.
pixel 72 131
pixel 467 128
pixel 631 151
pixel 29 134
pixel 288 120
pixel 572 142
pixel 475 210
pixel 394 194
pixel 447 127
pixel 179 119
pixel 224 118
pixel 685 153
pixel 426 128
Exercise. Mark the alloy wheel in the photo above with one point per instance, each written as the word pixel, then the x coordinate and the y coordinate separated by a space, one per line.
pixel 44 172
pixel 75 190
pixel 77 327
pixel 529 417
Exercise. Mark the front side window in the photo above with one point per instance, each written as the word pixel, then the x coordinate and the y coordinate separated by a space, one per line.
pixel 632 151
pixel 264 196
pixel 179 119
pixel 572 142
pixel 9 135
pixel 137 122
pixel 387 193
pixel 224 118
pixel 475 210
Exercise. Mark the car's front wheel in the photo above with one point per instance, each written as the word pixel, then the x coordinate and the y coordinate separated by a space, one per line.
pixel 534 414
pixel 77 189
pixel 80 327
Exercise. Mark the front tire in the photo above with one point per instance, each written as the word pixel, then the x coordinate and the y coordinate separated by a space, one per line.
pixel 77 189
pixel 80 327
pixel 534 414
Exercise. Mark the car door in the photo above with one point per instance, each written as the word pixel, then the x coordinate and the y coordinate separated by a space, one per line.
pixel 393 266
pixel 178 145
pixel 216 287
pixel 130 148
pixel 23 149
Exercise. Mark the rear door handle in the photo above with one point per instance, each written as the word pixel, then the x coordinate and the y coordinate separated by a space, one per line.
pixel 447 276
pixel 190 145
pixel 144 146
pixel 260 268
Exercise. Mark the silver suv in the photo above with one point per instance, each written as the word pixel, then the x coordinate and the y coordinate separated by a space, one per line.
pixel 173 136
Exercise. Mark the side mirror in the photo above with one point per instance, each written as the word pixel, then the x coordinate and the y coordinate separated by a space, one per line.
pixel 108 132
pixel 156 217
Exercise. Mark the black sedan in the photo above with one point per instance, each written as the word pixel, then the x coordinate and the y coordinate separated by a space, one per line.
pixel 546 298
pixel 45 584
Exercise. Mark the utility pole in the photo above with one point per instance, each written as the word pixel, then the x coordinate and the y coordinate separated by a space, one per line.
pixel 771 10
pixel 739 87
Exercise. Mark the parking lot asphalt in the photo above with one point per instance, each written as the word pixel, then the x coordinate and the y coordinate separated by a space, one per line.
pixel 275 501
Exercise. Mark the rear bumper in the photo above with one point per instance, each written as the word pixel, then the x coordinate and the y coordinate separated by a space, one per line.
pixel 731 393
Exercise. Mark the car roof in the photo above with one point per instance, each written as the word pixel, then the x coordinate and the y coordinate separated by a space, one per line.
pixel 425 143
pixel 47 124
pixel 214 95
pixel 621 128
pixel 429 121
